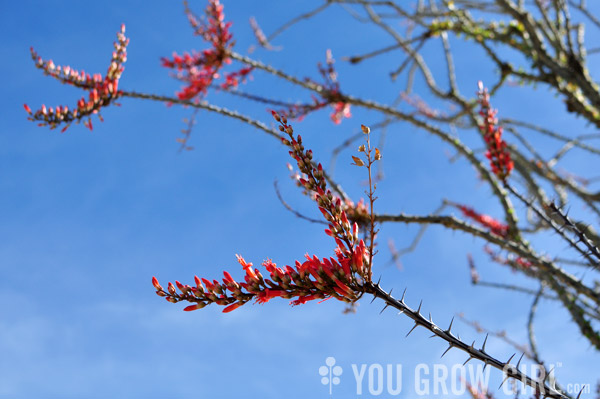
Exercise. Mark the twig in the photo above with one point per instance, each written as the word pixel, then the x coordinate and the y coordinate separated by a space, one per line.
pixel 292 210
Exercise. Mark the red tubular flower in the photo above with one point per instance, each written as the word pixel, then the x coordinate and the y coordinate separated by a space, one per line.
pixel 357 257
pixel 171 288
pixel 267 294
pixel 102 90
pixel 208 284
pixel 341 292
pixel 303 299
pixel 231 307
pixel 198 283
pixel 228 277
pixel 156 284
pixel 497 151
pixel 197 306
pixel 247 267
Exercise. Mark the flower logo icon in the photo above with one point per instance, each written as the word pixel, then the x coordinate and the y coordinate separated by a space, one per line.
pixel 330 373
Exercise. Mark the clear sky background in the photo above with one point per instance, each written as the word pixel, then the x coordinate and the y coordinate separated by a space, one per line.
pixel 89 217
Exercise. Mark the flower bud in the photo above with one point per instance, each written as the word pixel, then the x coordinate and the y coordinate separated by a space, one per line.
pixel 171 289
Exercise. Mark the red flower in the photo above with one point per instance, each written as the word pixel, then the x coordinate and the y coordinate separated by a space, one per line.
pixel 156 284
pixel 231 307
pixel 199 69
pixel 196 306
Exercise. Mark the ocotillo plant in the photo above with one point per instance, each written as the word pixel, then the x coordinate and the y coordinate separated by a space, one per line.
pixel 538 44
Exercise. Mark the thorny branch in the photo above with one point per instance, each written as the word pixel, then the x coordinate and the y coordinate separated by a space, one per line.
pixel 529 43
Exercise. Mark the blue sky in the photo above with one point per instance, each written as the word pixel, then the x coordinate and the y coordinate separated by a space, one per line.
pixel 89 217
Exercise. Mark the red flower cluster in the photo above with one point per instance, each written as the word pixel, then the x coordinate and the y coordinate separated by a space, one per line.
pixel 199 70
pixel 232 79
pixel 341 277
pixel 497 151
pixel 313 279
pixel 514 261
pixel 331 96
pixel 495 227
pixel 103 90
pixel 340 109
